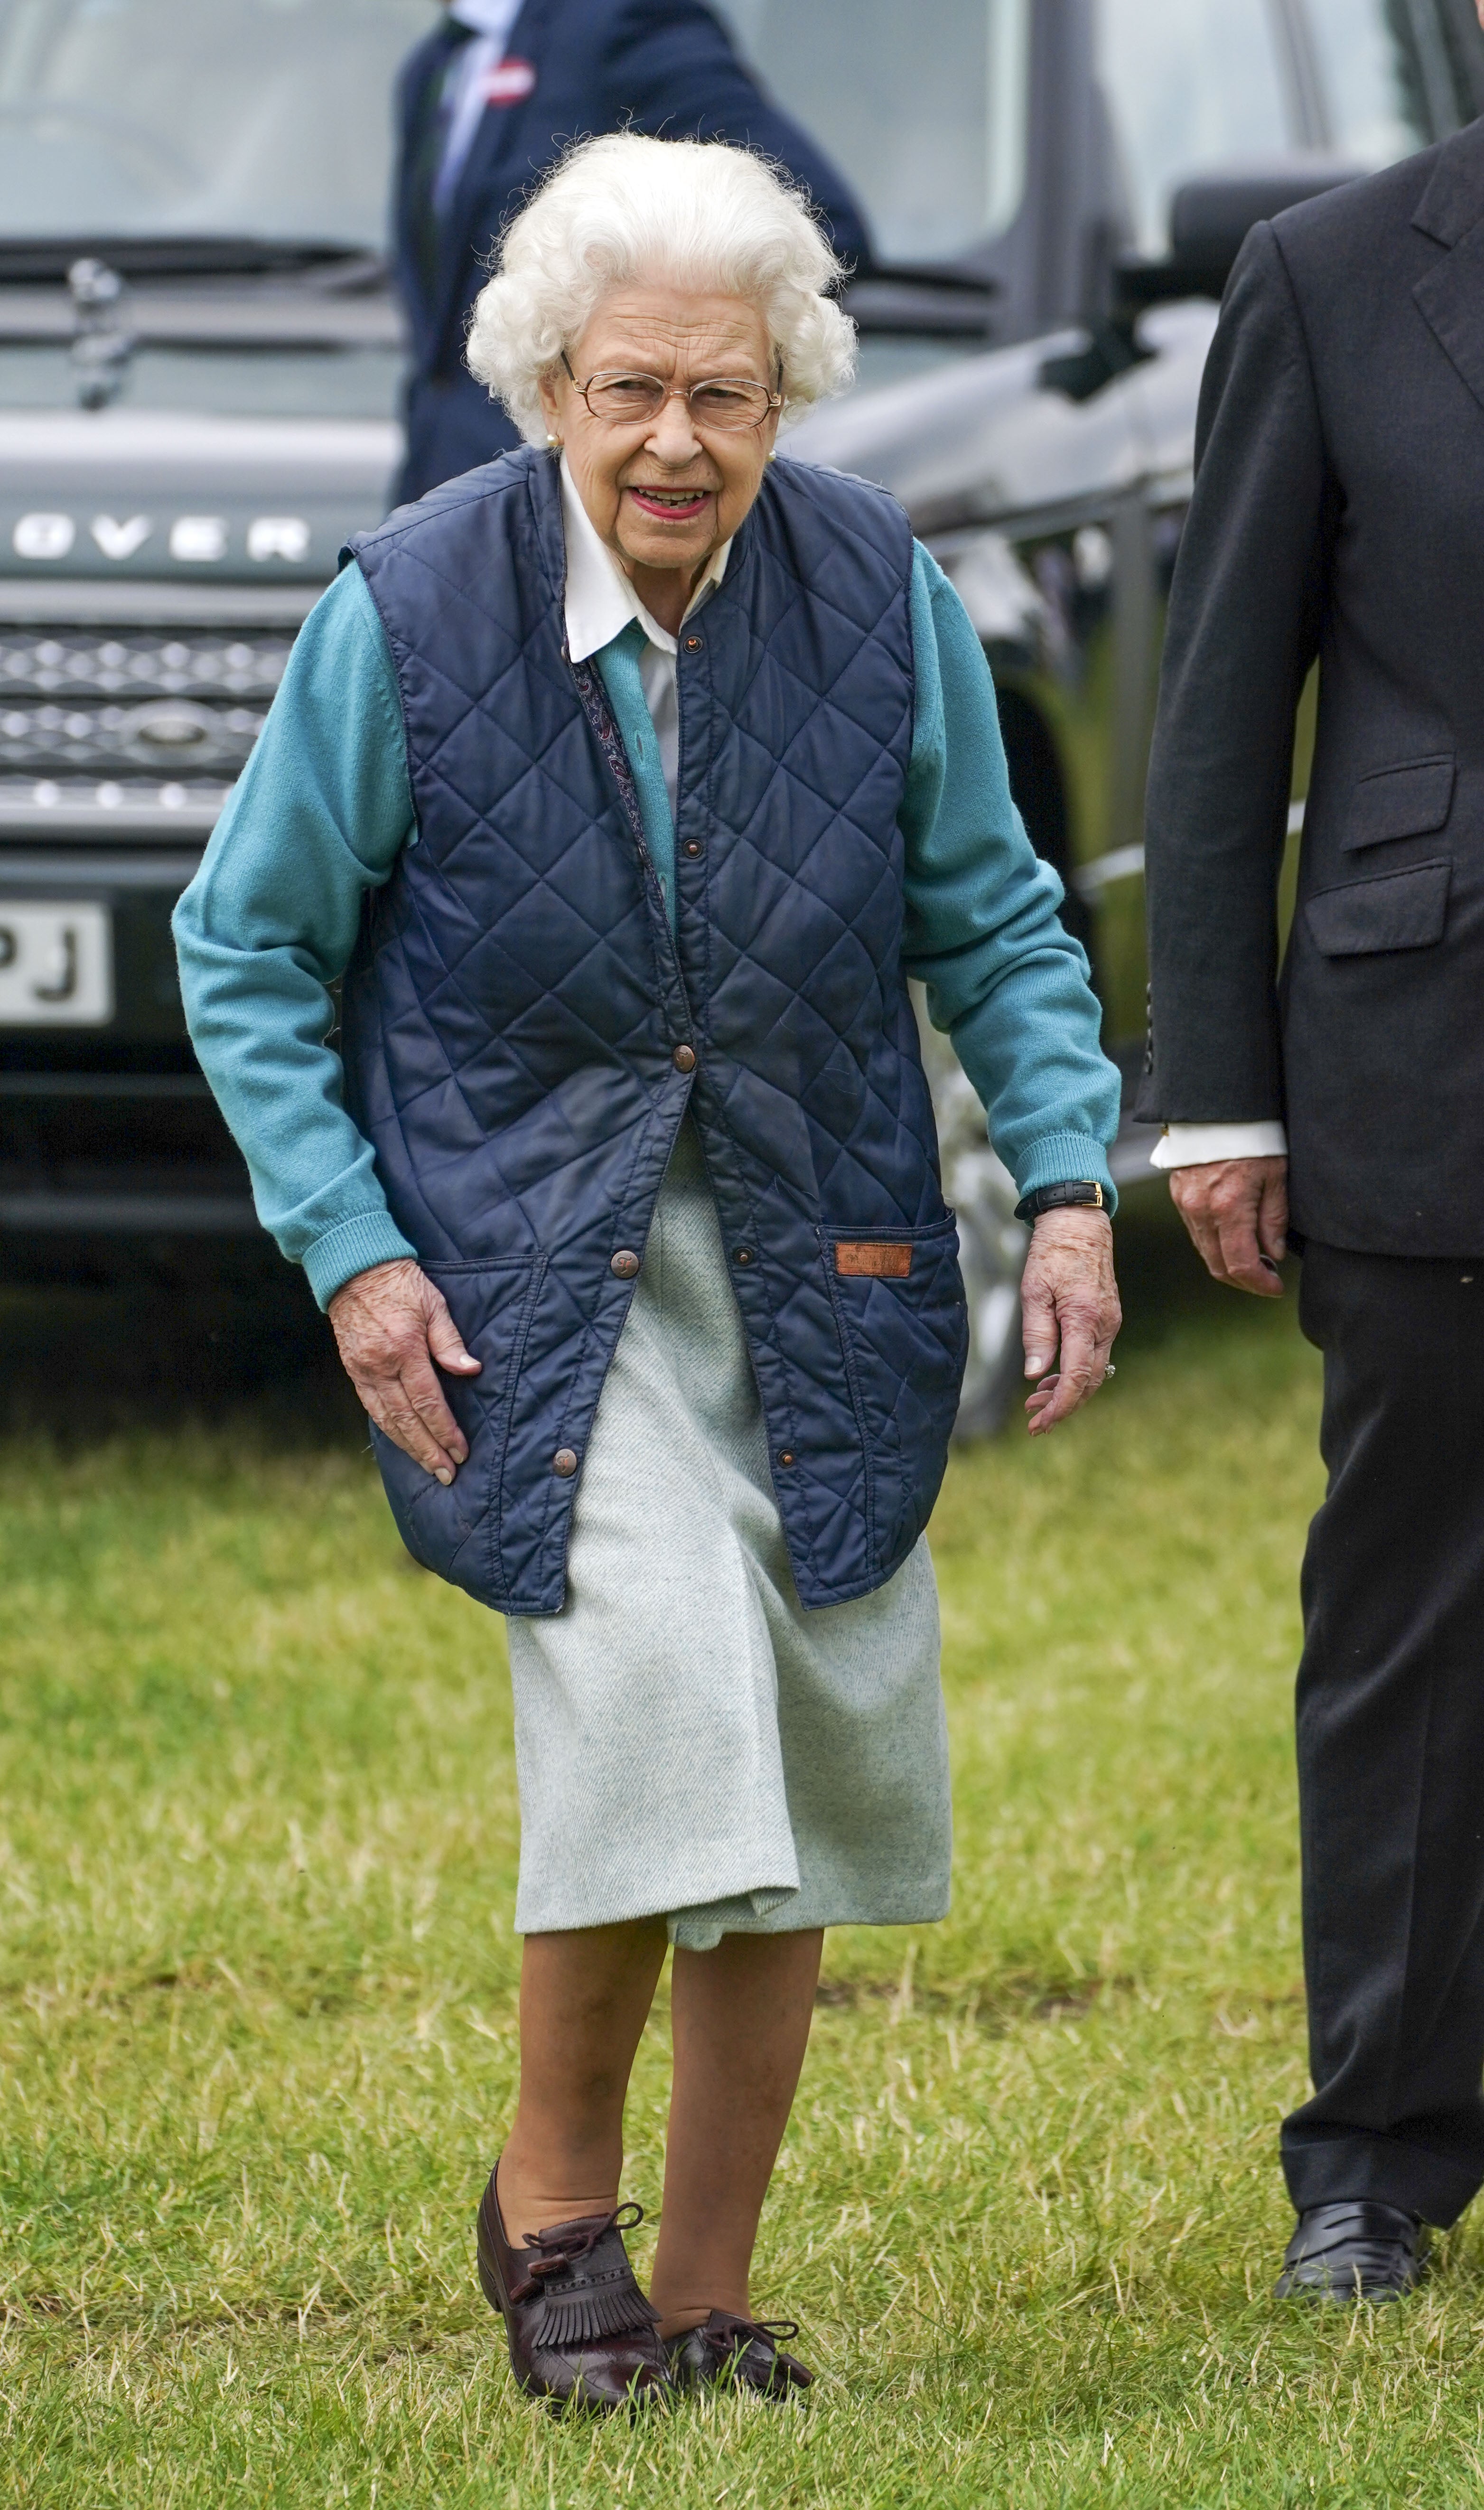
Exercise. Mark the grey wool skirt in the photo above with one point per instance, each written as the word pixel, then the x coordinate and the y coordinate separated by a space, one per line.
pixel 690 1743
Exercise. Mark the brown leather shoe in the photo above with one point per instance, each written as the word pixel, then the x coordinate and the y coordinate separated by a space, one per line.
pixel 581 2331
pixel 738 2353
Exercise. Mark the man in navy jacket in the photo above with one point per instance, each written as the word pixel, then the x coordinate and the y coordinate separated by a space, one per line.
pixel 485 104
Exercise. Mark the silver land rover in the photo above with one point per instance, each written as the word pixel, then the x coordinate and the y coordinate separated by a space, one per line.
pixel 200 361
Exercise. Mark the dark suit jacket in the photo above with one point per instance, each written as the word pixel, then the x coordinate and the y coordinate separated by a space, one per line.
pixel 1338 514
pixel 660 66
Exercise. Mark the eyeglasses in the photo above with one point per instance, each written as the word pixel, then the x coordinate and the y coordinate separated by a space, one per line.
pixel 721 404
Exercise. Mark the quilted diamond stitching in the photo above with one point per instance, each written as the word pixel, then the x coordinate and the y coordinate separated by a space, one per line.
pixel 512 1012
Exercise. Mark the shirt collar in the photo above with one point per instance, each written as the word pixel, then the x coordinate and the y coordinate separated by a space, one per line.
pixel 486 16
pixel 600 598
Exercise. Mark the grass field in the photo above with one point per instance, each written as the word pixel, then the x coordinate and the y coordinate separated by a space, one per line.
pixel 258 1984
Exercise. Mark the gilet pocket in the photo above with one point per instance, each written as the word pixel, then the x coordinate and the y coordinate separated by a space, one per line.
pixel 904 1320
pixel 456 1531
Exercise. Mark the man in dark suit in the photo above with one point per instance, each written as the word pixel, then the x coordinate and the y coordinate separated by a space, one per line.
pixel 1338 515
pixel 485 104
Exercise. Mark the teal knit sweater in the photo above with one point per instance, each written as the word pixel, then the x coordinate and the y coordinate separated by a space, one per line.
pixel 323 808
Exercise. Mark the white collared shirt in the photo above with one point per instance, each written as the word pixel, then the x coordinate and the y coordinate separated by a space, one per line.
pixel 600 603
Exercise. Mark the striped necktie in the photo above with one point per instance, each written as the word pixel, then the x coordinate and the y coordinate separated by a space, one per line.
pixel 425 151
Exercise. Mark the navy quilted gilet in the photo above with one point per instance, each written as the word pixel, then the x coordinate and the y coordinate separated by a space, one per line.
pixel 522 1036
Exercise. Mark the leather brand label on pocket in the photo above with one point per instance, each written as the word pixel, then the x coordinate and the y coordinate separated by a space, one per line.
pixel 873 1259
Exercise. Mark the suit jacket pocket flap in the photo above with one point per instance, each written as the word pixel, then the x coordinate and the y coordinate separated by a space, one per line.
pixel 1403 910
pixel 1408 801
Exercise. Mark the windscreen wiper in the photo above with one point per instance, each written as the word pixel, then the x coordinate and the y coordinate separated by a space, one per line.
pixel 49 257
pixel 103 310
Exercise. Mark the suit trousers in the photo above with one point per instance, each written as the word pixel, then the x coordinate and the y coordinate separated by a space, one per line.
pixel 1391 1739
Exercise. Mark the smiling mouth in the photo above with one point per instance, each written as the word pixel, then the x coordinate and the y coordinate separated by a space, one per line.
pixel 677 503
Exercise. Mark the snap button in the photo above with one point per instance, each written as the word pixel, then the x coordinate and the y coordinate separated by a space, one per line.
pixel 625 1263
pixel 693 644
pixel 786 1456
pixel 744 1255
pixel 693 846
pixel 564 1461
pixel 684 1059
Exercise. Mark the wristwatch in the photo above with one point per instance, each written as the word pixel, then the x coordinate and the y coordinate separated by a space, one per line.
pixel 1056 1198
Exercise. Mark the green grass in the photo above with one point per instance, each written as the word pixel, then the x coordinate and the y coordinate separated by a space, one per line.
pixel 258 1985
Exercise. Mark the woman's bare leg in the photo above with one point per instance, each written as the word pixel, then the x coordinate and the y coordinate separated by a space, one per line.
pixel 584 1999
pixel 741 2019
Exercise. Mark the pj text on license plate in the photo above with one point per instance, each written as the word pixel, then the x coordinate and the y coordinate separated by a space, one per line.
pixel 56 965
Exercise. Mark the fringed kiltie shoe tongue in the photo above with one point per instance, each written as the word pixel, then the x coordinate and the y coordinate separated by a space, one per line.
pixel 579 2327
pixel 580 2273
pixel 726 2350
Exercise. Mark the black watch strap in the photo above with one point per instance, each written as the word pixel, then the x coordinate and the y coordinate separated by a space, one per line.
pixel 1058 1198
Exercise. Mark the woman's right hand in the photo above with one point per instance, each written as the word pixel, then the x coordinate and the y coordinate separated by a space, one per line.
pixel 392 1324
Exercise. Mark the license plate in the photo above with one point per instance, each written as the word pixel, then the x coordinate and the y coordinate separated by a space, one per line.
pixel 56 965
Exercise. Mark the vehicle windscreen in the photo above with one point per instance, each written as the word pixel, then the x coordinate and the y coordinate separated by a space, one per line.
pixel 1393 75
pixel 923 108
pixel 262 118
pixel 1195 84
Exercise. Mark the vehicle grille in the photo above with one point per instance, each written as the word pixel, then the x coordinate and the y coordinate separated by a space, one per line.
pixel 125 721
pixel 114 717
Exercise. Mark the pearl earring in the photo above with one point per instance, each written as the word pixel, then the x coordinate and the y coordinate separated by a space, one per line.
pixel 553 443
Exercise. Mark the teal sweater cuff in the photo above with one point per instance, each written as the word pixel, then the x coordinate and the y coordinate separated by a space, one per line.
pixel 1058 1158
pixel 353 1247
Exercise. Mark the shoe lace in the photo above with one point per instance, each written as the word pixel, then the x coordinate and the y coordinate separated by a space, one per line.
pixel 543 2254
pixel 735 2334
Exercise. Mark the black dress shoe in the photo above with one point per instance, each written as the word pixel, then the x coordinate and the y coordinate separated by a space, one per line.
pixel 738 2353
pixel 579 2331
pixel 1359 2251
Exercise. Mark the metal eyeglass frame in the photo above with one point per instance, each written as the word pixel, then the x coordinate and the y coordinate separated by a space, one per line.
pixel 674 392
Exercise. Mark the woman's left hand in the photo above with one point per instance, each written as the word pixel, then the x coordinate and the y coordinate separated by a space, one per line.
pixel 1068 1299
pixel 393 1324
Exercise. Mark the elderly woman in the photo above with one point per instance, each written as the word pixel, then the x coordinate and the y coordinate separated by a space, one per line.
pixel 625 782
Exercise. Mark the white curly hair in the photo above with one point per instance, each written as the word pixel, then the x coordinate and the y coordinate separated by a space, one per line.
pixel 623 209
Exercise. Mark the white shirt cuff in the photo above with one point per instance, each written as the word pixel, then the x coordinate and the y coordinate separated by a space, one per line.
pixel 1195 1146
